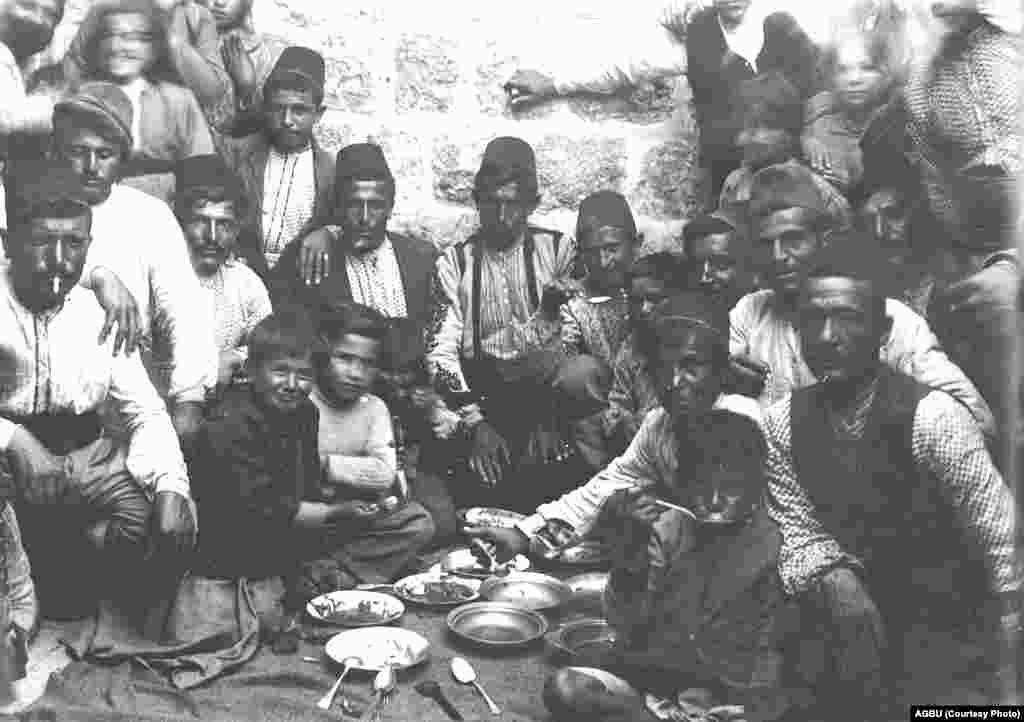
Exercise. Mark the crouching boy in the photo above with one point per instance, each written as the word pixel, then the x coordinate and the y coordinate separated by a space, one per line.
pixel 696 603
pixel 384 530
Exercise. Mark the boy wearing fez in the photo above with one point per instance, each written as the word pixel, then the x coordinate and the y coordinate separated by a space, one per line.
pixel 285 173
pixel 696 604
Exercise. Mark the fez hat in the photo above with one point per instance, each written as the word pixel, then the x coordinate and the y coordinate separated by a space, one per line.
pixel 507 159
pixel 207 171
pixel 362 162
pixel 604 209
pixel 301 63
pixel 106 104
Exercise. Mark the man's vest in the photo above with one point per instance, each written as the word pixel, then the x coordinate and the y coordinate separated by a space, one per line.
pixel 868 493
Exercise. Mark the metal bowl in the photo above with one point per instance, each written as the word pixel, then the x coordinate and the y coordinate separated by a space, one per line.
pixel 499 626
pixel 583 635
pixel 527 590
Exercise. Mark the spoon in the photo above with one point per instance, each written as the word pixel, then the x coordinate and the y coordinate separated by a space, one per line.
pixel 430 688
pixel 348 663
pixel 465 674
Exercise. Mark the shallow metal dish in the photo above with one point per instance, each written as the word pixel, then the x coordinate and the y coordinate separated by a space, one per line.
pixel 352 608
pixel 378 646
pixel 500 626
pixel 463 563
pixel 489 516
pixel 417 589
pixel 528 590
pixel 583 635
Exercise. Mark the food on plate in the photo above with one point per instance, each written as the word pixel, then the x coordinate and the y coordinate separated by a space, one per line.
pixel 439 592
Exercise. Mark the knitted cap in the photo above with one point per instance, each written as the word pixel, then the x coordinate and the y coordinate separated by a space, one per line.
pixel 104 104
pixel 602 210
pixel 507 159
pixel 302 63
pixel 38 188
pixel 362 161
pixel 782 186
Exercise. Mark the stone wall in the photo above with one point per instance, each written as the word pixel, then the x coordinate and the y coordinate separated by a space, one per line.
pixel 424 80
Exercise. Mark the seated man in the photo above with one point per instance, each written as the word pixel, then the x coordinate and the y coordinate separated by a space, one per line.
pixel 652 279
pixel 868 472
pixel 209 205
pixel 690 366
pixel 497 350
pixel 396 275
pixel 19 621
pixel 788 222
pixel 357 451
pixel 595 318
pixel 86 503
pixel 716 256
pixel 696 605
pixel 93 135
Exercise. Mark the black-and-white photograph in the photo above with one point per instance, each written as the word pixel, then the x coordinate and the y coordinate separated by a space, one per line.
pixel 389 361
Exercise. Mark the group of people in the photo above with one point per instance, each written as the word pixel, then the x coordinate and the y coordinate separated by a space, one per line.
pixel 824 379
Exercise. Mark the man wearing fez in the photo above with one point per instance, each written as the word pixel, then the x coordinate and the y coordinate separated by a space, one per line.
pixel 138 238
pixel 494 352
pixel 287 176
pixel 869 471
pixel 788 223
pixel 396 276
pixel 87 503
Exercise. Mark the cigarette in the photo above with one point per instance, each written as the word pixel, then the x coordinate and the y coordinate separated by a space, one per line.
pixel 56 285
pixel 311 660
pixel 669 505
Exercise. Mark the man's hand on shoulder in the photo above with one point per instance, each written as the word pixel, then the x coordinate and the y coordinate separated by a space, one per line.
pixel 315 255
pixel 120 308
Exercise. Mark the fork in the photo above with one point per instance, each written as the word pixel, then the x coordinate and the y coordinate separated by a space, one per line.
pixel 384 686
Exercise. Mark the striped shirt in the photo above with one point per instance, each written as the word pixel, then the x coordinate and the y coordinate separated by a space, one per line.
pixel 289 193
pixel 509 326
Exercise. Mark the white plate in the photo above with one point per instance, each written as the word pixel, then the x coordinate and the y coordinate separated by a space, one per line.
pixel 344 607
pixel 413 589
pixel 379 646
pixel 488 516
pixel 463 563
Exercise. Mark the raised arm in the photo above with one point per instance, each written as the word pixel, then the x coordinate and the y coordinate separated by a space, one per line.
pixel 195 55
pixel 652 50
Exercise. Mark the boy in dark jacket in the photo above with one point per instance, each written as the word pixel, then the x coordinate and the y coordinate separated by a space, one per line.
pixel 696 604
